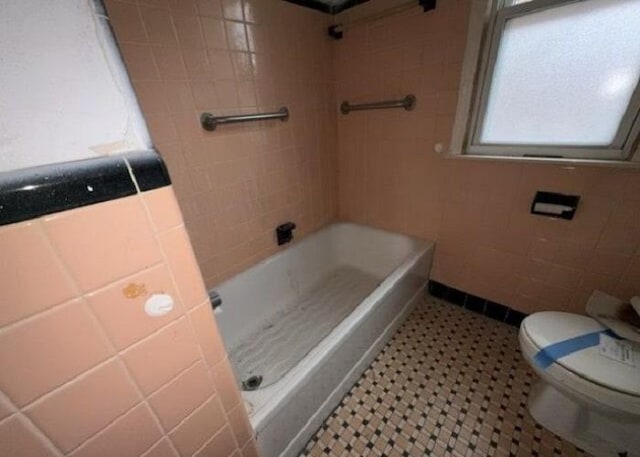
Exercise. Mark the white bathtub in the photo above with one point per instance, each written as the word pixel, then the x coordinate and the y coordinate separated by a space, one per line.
pixel 287 412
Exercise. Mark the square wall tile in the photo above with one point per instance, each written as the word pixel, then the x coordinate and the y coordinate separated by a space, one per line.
pixel 161 449
pixel 208 334
pixel 31 277
pixel 186 7
pixel 240 424
pixel 98 398
pixel 159 26
pixel 222 444
pixel 214 34
pixel 129 436
pixel 232 9
pixel 236 36
pixel 126 21
pixel 189 31
pixel 226 385
pixel 5 408
pixel 163 208
pixel 619 239
pixel 250 449
pixel 162 129
pixel 150 99
pixel 177 247
pixel 159 358
pixel 209 8
pixel 196 64
pixel 170 66
pixel 17 439
pixel 103 243
pixel 48 350
pixel 120 306
pixel 198 428
pixel 139 61
pixel 182 396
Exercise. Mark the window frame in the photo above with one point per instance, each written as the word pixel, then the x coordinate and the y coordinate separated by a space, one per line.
pixel 624 143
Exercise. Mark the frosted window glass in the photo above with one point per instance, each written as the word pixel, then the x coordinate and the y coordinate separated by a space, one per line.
pixel 565 75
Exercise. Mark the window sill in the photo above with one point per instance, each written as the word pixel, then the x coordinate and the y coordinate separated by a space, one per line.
pixel 544 160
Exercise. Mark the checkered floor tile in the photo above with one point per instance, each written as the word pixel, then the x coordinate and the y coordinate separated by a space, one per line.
pixel 449 383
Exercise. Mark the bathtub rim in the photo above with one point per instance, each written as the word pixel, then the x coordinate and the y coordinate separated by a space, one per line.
pixel 307 239
pixel 356 371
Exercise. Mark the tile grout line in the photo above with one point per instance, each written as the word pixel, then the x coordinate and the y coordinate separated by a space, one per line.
pixel 18 413
pixel 214 437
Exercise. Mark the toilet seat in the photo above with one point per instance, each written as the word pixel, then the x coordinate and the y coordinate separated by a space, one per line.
pixel 584 374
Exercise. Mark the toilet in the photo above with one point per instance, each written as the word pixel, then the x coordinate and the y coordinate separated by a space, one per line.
pixel 582 396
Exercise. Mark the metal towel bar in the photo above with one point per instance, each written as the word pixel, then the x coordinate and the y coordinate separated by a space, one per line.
pixel 408 103
pixel 210 122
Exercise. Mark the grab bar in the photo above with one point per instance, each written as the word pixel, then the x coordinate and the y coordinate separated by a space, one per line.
pixel 210 122
pixel 408 103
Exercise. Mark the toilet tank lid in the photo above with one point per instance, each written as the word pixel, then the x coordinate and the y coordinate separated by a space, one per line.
pixel 577 343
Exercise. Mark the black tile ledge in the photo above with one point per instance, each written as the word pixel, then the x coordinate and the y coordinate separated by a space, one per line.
pixel 496 311
pixel 514 317
pixel 456 296
pixel 478 305
pixel 33 192
pixel 148 169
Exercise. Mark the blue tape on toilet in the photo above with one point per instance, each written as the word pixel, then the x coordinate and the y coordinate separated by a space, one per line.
pixel 548 355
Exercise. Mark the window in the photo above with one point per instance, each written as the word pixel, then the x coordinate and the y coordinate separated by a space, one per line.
pixel 558 79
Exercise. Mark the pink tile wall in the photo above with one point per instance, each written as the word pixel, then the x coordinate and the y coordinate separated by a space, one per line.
pixel 487 242
pixel 84 371
pixel 235 185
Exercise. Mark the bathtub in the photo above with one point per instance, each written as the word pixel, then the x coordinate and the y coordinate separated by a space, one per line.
pixel 310 319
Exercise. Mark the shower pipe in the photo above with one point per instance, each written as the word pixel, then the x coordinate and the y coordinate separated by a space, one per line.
pixel 210 122
pixel 408 103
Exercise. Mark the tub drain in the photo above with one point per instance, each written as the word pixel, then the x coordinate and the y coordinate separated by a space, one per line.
pixel 252 382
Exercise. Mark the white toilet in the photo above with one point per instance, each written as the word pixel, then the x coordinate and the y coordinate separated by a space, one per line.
pixel 584 397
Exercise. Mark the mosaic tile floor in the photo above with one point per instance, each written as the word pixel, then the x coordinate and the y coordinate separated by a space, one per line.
pixel 449 383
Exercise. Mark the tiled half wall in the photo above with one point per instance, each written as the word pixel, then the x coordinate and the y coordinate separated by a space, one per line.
pixel 235 185
pixel 83 370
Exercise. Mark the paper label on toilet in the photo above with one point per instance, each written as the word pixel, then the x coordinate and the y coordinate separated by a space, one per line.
pixel 619 350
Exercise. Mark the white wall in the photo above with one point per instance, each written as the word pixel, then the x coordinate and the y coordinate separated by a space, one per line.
pixel 64 93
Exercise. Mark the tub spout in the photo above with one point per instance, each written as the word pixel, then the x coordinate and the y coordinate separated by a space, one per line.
pixel 215 299
pixel 284 232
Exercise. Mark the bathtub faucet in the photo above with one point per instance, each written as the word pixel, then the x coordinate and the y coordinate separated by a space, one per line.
pixel 284 232
pixel 215 299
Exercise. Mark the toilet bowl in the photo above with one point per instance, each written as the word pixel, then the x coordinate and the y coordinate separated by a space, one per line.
pixel 582 396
